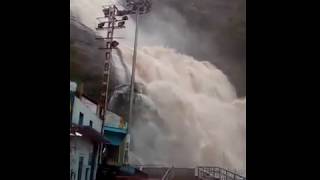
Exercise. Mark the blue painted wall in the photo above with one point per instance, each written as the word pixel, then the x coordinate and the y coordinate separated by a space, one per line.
pixel 116 138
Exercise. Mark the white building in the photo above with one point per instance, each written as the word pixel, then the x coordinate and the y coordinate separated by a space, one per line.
pixel 85 137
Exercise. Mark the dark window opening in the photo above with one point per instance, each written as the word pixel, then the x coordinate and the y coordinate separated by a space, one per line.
pixel 87 174
pixel 81 119
pixel 80 168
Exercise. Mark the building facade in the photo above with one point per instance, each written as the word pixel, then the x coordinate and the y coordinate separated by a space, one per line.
pixel 116 131
pixel 85 136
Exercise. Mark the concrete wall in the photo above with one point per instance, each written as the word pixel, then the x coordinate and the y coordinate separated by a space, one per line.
pixel 92 106
pixel 88 115
pixel 80 147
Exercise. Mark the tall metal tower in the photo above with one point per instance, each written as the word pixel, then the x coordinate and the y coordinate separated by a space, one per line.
pixel 108 23
pixel 110 12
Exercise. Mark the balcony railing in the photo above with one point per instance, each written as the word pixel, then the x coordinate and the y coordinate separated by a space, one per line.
pixel 217 173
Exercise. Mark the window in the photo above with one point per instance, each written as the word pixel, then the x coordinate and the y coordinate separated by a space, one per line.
pixel 90 159
pixel 108 44
pixel 80 168
pixel 87 174
pixel 91 123
pixel 81 119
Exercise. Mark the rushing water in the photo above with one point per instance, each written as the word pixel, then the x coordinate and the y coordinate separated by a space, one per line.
pixel 190 114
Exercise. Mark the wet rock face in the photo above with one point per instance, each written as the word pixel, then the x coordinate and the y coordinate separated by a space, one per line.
pixel 86 61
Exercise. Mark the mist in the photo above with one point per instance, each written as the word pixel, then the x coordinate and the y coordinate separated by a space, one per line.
pixel 191 82
pixel 201 121
pixel 209 30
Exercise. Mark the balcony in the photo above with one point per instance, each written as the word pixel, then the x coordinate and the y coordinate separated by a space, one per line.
pixel 90 133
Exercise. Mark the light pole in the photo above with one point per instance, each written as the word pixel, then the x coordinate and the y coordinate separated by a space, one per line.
pixel 134 59
pixel 138 7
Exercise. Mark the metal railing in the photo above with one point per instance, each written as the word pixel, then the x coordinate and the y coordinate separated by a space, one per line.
pixel 217 173
pixel 169 174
